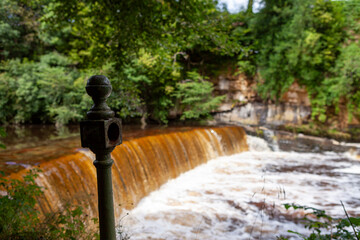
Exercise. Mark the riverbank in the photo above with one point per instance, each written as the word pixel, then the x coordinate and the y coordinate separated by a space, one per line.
pixel 350 134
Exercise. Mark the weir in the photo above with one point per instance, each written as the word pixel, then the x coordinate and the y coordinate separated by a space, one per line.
pixel 141 165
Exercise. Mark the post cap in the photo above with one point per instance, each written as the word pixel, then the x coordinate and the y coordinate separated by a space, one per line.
pixel 98 80
pixel 99 88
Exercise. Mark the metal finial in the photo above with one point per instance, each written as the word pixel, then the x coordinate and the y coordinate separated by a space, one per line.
pixel 99 88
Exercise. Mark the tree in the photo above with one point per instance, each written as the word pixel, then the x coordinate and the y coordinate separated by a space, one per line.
pixel 298 40
pixel 112 30
pixel 141 40
pixel 44 91
pixel 134 42
pixel 250 5
pixel 195 97
pixel 18 29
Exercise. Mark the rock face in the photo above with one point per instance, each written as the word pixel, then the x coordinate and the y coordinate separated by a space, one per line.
pixel 238 90
pixel 266 114
pixel 243 105
pixel 296 95
pixel 303 143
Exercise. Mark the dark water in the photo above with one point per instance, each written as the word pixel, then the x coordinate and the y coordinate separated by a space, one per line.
pixel 26 136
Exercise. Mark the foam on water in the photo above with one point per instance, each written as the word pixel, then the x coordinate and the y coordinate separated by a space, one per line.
pixel 257 144
pixel 242 196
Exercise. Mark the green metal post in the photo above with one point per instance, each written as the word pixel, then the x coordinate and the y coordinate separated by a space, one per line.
pixel 101 132
pixel 103 165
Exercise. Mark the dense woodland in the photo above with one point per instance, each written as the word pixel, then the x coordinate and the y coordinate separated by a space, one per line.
pixel 159 54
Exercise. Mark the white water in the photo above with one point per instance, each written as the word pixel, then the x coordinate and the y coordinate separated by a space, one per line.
pixel 241 196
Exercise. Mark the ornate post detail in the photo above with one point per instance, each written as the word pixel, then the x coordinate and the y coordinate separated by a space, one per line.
pixel 101 132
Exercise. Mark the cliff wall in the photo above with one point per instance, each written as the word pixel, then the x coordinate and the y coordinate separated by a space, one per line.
pixel 243 104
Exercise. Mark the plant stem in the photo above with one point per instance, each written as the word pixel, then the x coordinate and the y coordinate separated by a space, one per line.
pixel 347 215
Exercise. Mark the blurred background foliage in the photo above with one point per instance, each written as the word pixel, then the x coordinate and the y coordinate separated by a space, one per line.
pixel 159 55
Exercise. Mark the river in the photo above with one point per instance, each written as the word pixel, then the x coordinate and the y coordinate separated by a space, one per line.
pixel 242 196
pixel 233 197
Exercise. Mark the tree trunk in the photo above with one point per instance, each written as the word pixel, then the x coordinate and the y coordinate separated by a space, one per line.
pixel 250 6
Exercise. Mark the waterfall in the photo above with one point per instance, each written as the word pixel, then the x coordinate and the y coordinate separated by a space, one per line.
pixel 257 144
pixel 271 139
pixel 141 166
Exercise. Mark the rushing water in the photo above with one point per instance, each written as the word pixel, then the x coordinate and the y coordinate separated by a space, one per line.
pixel 242 196
pixel 142 163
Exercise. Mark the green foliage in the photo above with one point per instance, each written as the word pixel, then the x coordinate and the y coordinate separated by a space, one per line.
pixel 69 224
pixel 299 40
pixel 143 86
pixel 2 134
pixel 222 37
pixel 195 95
pixel 101 32
pixel 154 76
pixel 20 219
pixel 221 34
pixel 51 90
pixel 343 86
pixel 314 43
pixel 44 91
pixel 152 84
pixel 91 38
pixel 18 29
pixel 18 215
pixel 324 226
